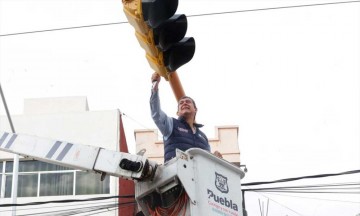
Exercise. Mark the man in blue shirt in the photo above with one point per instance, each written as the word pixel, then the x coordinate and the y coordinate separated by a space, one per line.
pixel 182 133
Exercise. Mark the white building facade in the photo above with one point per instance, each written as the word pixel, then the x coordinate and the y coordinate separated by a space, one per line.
pixel 67 119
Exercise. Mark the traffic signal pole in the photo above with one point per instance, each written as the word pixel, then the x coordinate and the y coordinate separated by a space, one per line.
pixel 176 86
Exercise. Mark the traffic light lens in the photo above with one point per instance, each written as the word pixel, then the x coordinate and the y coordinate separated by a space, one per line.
pixel 179 54
pixel 156 12
pixel 171 31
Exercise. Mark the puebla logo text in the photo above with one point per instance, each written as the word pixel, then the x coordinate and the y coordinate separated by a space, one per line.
pixel 222 200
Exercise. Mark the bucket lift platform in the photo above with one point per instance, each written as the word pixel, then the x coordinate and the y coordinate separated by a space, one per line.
pixel 211 186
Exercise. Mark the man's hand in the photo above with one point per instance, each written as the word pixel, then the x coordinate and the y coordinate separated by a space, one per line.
pixel 155 79
pixel 218 154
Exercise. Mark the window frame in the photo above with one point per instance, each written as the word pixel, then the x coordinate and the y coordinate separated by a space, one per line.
pixel 4 175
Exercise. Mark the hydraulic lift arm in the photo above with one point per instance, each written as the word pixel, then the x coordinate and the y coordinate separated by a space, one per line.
pixel 78 156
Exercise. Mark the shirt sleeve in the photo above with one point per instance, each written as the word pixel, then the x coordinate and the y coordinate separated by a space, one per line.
pixel 162 121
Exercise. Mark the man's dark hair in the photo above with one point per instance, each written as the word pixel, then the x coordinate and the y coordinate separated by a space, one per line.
pixel 183 97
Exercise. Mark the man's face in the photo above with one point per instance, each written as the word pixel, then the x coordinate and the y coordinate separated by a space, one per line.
pixel 186 107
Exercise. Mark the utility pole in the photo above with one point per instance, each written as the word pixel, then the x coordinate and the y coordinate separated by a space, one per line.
pixel 15 175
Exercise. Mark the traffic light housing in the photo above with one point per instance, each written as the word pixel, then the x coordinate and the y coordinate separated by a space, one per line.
pixel 161 33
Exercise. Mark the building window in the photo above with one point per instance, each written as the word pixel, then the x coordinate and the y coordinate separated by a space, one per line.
pixel 27 185
pixel 38 178
pixel 89 183
pixel 56 184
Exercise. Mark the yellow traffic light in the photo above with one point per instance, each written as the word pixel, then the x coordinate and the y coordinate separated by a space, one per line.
pixel 160 33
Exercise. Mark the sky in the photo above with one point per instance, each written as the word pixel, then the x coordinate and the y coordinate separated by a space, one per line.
pixel 289 78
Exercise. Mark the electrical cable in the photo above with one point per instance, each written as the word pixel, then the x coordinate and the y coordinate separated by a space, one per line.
pixel 134 120
pixel 65 207
pixel 68 213
pixel 62 29
pixel 302 177
pixel 67 201
pixel 301 197
pixel 303 186
pixel 302 189
pixel 273 8
pixel 310 187
pixel 313 192
pixel 155 132
pixel 326 185
pixel 74 211
pixel 57 206
pixel 102 212
pixel 195 15
pixel 97 210
pixel 279 203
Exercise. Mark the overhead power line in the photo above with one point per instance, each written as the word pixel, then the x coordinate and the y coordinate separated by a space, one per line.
pixel 313 198
pixel 302 188
pixel 70 211
pixel 302 177
pixel 67 201
pixel 82 210
pixel 280 204
pixel 311 187
pixel 66 211
pixel 62 29
pixel 273 8
pixel 65 205
pixel 142 125
pixel 195 15
pixel 312 192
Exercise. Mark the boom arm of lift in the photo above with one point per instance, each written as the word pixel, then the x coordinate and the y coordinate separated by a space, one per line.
pixel 212 184
pixel 78 156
